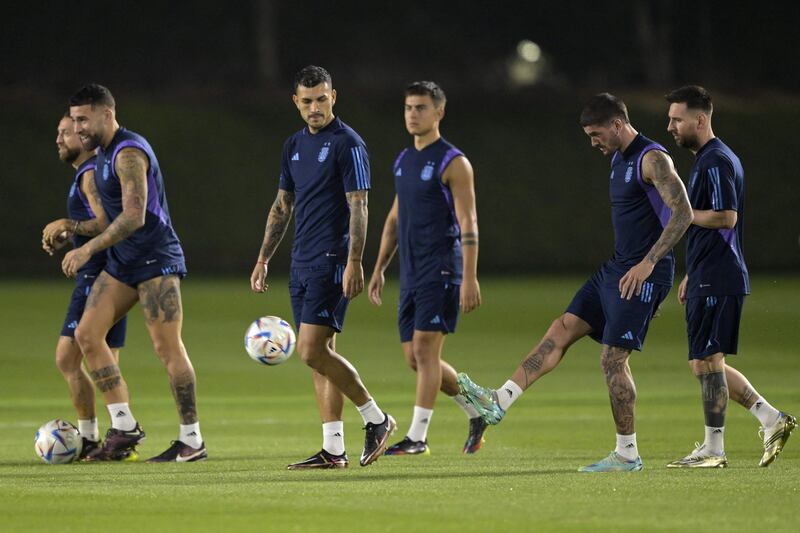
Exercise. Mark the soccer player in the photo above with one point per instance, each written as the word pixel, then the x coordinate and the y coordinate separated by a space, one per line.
pixel 717 282
pixel 650 212
pixel 324 179
pixel 145 264
pixel 84 209
pixel 434 224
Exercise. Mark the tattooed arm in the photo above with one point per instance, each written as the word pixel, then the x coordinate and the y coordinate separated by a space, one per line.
pixel 385 255
pixel 353 280
pixel 277 222
pixel 131 166
pixel 657 170
pixel 459 177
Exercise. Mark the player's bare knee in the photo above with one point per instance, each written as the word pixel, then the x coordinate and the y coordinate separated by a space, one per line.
pixel 68 362
pixel 88 339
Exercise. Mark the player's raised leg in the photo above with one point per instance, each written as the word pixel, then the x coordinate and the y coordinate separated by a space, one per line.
pixel 776 426
pixel 492 404
pixel 163 313
pixel 314 347
pixel 109 300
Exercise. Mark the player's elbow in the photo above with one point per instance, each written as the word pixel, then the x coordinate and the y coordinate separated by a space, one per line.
pixel 730 219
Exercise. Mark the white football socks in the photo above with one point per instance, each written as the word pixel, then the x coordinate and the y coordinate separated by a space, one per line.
pixel 88 429
pixel 419 424
pixel 121 417
pixel 468 409
pixel 190 434
pixel 715 440
pixel 765 413
pixel 626 446
pixel 333 437
pixel 508 394
pixel 371 413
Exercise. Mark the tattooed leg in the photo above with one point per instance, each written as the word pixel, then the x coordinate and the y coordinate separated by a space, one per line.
pixel 621 388
pixel 546 355
pixel 107 378
pixel 715 398
pixel 108 301
pixel 739 388
pixel 161 302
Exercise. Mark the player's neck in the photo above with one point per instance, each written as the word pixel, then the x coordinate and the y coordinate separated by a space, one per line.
pixel 81 159
pixel 703 139
pixel 426 139
pixel 626 136
pixel 110 137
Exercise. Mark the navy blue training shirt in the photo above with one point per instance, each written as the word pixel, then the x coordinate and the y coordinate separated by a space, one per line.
pixel 637 212
pixel 320 169
pixel 428 234
pixel 78 208
pixel 156 240
pixel 714 257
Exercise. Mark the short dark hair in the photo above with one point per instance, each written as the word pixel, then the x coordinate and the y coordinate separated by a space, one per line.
pixel 93 94
pixel 431 88
pixel 311 76
pixel 603 108
pixel 694 96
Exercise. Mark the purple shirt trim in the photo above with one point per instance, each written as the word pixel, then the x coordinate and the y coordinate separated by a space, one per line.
pixel 729 236
pixel 152 194
pixel 451 154
pixel 656 202
pixel 399 158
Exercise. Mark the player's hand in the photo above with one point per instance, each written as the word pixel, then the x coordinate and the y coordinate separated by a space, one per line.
pixel 631 282
pixel 353 281
pixel 258 279
pixel 54 230
pixel 57 244
pixel 375 289
pixel 74 260
pixel 682 290
pixel 470 296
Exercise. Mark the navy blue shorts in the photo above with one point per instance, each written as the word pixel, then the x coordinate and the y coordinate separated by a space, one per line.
pixel 83 285
pixel 429 308
pixel 133 276
pixel 317 295
pixel 616 321
pixel 712 325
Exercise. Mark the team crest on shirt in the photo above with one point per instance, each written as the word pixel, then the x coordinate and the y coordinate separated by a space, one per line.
pixel 72 190
pixel 323 153
pixel 105 172
pixel 628 173
pixel 427 171
pixel 399 172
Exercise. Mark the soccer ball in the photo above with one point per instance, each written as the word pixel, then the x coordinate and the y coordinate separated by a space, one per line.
pixel 269 340
pixel 58 442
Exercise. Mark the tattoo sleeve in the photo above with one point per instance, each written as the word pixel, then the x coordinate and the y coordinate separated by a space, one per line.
pixel 357 200
pixel 715 398
pixel 131 167
pixel 277 221
pixel 621 388
pixel 660 171
pixel 532 365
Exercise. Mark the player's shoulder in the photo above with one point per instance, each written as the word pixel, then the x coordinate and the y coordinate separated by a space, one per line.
pixel 346 135
pixel 718 154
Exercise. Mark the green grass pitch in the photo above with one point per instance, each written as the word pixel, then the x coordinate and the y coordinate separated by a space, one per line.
pixel 256 419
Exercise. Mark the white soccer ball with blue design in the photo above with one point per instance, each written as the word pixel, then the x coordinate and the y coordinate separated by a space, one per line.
pixel 58 442
pixel 269 340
